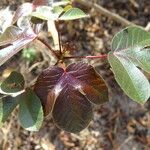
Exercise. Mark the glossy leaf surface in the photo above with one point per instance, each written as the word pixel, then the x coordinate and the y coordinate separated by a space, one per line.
pixel 129 51
pixel 11 34
pixel 7 105
pixel 23 10
pixel 13 83
pixel 68 94
pixel 21 39
pixel 30 111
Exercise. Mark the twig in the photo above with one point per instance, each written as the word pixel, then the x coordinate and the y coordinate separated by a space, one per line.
pixel 104 56
pixel 105 12
pixel 48 46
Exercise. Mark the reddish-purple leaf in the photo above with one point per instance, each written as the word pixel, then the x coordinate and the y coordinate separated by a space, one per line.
pixel 24 10
pixel 41 2
pixel 67 94
pixel 24 38
pixel 10 35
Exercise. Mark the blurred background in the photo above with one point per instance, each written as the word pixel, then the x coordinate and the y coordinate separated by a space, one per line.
pixel 120 124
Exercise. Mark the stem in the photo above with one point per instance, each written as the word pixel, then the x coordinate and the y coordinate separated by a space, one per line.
pixel 59 37
pixel 48 46
pixel 104 56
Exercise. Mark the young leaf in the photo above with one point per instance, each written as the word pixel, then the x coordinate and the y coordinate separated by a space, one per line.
pixel 68 94
pixel 14 83
pixel 73 13
pixel 30 111
pixel 7 105
pixel 127 47
pixel 8 51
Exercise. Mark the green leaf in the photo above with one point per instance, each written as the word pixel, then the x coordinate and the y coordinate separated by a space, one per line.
pixel 73 13
pixel 13 84
pixel 129 51
pixel 63 2
pixel 30 111
pixel 7 105
pixel 47 13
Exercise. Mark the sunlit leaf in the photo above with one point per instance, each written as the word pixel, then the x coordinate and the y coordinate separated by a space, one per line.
pixel 30 111
pixel 68 94
pixel 10 35
pixel 7 51
pixel 47 13
pixel 73 13
pixel 63 2
pixel 24 10
pixel 129 51
pixel 7 105
pixel 13 83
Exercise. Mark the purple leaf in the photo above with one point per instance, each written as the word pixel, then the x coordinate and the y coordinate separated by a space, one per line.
pixel 67 94
pixel 23 38
pixel 24 10
pixel 10 35
pixel 41 2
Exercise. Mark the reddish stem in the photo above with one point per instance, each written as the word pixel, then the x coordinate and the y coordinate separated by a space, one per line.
pixel 103 56
pixel 48 46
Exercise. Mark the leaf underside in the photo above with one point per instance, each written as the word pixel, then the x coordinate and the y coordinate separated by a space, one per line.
pixel 129 51
pixel 68 94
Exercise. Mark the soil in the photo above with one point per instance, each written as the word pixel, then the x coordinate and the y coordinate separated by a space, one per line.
pixel 120 124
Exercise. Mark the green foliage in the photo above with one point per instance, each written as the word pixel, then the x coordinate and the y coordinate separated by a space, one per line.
pixel 14 83
pixel 7 105
pixel 30 111
pixel 67 94
pixel 58 13
pixel 129 51
pixel 29 54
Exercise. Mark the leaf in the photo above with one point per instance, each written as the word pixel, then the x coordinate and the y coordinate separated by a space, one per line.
pixel 30 111
pixel 42 2
pixel 11 34
pixel 7 105
pixel 24 10
pixel 47 13
pixel 8 51
pixel 127 49
pixel 14 83
pixel 68 94
pixel 73 13
pixel 61 3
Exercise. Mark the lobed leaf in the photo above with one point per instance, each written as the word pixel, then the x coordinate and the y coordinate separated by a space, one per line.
pixel 13 83
pixel 7 105
pixel 129 51
pixel 68 94
pixel 30 111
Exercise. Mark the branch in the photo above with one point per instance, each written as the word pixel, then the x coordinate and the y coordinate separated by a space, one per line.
pixel 105 12
pixel 48 46
pixel 104 56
